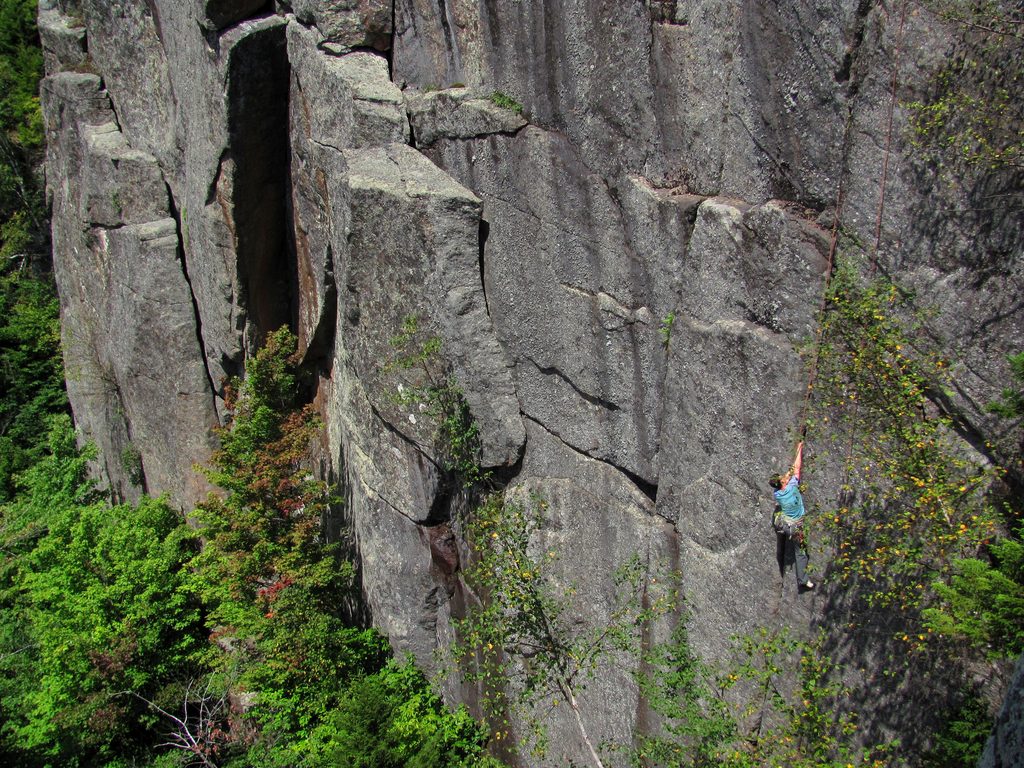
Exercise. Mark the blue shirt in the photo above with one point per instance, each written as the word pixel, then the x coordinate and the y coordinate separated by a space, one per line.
pixel 790 500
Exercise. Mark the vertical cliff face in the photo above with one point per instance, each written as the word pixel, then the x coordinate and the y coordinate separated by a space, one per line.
pixel 218 169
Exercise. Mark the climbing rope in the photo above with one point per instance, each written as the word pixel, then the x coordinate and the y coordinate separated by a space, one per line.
pixel 837 216
pixel 823 304
pixel 888 137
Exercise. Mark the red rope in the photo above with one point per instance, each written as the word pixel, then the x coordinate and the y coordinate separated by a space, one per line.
pixel 833 245
pixel 888 138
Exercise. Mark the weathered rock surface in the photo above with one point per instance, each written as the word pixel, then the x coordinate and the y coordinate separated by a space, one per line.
pixel 458 113
pixel 1005 746
pixel 346 24
pixel 619 277
pixel 131 348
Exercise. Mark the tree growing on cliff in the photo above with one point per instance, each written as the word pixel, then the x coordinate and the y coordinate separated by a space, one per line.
pixel 746 712
pixel 523 642
pixel 316 689
pixel 972 115
pixel 274 586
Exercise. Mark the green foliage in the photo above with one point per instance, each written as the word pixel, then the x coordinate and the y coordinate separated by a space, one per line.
pixel 95 602
pixel 393 719
pixel 274 588
pixel 920 498
pixel 972 115
pixel 962 739
pixel 426 386
pixel 22 223
pixel 742 714
pixel 524 643
pixel 31 372
pixel 665 328
pixel 119 637
pixel 31 378
pixel 1011 404
pixel 272 583
pixel 131 463
pixel 506 102
pixel 982 600
pixel 21 67
pixel 696 724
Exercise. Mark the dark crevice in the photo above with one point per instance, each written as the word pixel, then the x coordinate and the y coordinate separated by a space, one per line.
pixel 320 351
pixel 258 85
pixel 224 15
pixel 502 476
pixel 665 11
pixel 592 399
pixel 339 51
pixel 192 295
pixel 440 508
pixel 845 72
pixel 646 487
pixel 476 137
pixel 390 53
pixel 485 231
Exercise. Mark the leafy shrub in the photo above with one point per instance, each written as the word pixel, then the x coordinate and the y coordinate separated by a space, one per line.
pixel 95 602
pixel 392 718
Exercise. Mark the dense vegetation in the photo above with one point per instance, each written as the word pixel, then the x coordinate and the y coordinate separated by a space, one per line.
pixel 31 376
pixel 925 541
pixel 130 637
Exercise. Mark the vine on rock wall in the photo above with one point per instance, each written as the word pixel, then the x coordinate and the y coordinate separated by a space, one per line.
pixel 915 493
pixel 918 540
pixel 426 386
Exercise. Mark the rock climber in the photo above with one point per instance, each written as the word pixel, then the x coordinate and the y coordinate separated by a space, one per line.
pixel 789 517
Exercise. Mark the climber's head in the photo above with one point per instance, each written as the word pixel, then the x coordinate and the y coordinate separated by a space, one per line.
pixel 775 481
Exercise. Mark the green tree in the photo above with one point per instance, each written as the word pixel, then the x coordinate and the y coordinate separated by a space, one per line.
pixel 96 606
pixel 422 379
pixel 982 600
pixel 523 641
pixel 273 585
pixel 746 712
pixel 275 589
pixel 31 377
pixel 392 719
pixel 22 221
pixel 920 499
pixel 962 740
pixel 31 372
pixel 972 116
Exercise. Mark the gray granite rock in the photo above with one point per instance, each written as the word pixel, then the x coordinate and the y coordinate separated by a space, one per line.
pixel 628 267
pixel 734 389
pixel 1005 747
pixel 348 24
pixel 458 113
pixel 412 252
pixel 62 39
pixel 575 304
pixel 125 301
pixel 595 520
